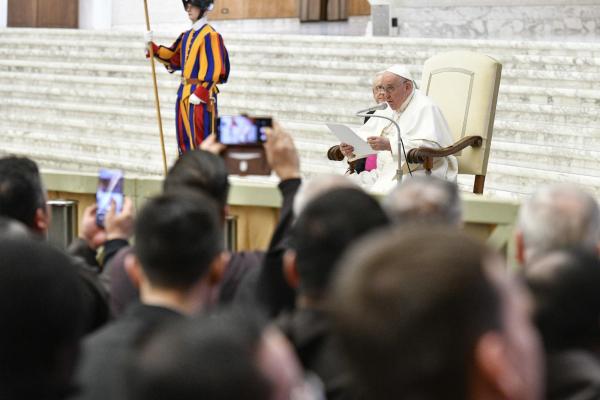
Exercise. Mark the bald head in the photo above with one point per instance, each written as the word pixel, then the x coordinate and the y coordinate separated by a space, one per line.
pixel 557 216
pixel 425 199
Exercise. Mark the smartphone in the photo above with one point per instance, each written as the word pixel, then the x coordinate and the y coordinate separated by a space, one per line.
pixel 110 188
pixel 242 129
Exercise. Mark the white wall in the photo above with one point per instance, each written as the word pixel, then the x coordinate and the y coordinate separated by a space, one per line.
pixel 95 14
pixel 3 13
pixel 131 13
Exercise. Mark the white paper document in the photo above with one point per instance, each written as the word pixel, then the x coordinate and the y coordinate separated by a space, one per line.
pixel 346 135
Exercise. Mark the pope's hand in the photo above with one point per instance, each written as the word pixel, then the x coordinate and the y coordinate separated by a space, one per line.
pixel 379 143
pixel 148 37
pixel 346 149
pixel 195 100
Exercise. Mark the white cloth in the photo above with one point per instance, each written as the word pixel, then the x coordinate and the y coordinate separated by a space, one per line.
pixel 199 24
pixel 421 124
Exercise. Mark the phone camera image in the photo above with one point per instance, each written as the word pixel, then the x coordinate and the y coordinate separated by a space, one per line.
pixel 242 130
pixel 110 189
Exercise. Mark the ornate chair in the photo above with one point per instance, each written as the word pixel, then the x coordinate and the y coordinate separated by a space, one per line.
pixel 465 87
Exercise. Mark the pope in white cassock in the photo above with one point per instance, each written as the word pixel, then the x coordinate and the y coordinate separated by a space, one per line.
pixel 421 124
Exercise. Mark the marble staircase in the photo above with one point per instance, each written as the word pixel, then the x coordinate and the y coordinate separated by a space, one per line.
pixel 79 100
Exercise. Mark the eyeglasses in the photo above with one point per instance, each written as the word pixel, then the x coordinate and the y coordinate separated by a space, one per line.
pixel 387 89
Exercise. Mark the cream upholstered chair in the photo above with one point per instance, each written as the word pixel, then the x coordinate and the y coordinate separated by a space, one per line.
pixel 465 87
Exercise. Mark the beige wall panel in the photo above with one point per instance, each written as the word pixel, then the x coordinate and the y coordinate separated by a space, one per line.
pixel 359 7
pixel 229 9
pixel 58 13
pixel 250 9
pixel 22 13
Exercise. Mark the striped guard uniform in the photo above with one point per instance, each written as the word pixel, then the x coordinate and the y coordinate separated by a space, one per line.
pixel 202 58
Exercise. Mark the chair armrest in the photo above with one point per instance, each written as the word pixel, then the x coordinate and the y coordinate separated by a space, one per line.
pixel 419 155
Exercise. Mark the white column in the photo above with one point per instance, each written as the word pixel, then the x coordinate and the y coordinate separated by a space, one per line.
pixel 95 14
pixel 380 17
pixel 3 13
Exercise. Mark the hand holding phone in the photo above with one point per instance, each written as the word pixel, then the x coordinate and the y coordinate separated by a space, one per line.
pixel 110 190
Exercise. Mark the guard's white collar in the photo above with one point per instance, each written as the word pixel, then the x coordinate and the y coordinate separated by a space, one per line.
pixel 200 23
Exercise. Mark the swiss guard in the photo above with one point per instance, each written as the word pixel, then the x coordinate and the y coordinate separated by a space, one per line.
pixel 202 58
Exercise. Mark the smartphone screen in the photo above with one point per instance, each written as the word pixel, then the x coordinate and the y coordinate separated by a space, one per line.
pixel 242 130
pixel 110 188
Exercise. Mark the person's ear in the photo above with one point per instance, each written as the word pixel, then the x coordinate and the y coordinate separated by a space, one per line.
pixel 217 268
pixel 133 269
pixel 41 220
pixel 520 247
pixel 290 269
pixel 493 368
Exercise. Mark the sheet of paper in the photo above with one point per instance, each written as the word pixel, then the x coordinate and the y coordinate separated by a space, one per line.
pixel 346 135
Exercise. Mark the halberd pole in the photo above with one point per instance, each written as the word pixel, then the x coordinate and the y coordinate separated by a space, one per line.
pixel 157 100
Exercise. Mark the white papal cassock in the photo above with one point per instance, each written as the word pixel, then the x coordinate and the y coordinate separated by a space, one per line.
pixel 421 124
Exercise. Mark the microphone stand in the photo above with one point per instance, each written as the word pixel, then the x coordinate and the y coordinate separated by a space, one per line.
pixel 401 150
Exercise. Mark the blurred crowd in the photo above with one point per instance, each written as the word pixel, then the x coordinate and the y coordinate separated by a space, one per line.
pixel 354 298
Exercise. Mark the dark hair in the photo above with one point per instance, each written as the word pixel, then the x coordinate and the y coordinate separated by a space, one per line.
pixel 21 190
pixel 210 358
pixel 409 307
pixel 326 227
pixel 199 170
pixel 564 285
pixel 178 236
pixel 41 304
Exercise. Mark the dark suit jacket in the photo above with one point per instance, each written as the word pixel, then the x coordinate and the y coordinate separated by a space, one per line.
pixel 572 375
pixel 309 332
pixel 101 372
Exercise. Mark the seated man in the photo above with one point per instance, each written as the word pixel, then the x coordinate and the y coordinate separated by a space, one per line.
pixel 44 315
pixel 564 284
pixel 431 314
pixel 227 356
pixel 425 200
pixel 421 123
pixel 368 163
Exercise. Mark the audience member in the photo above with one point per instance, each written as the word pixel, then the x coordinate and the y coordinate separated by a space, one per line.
pixel 425 200
pixel 178 261
pixel 23 197
pixel 13 229
pixel 564 284
pixel 43 314
pixel 554 217
pixel 324 230
pixel 430 314
pixel 205 172
pixel 317 186
pixel 225 357
pixel 369 163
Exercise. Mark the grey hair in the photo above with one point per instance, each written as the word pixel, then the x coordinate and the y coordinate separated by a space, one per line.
pixel 376 76
pixel 313 188
pixel 557 216
pixel 425 199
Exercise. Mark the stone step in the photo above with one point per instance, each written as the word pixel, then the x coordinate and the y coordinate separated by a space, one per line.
pixel 136 108
pixel 559 159
pixel 576 136
pixel 265 40
pixel 132 53
pixel 287 70
pixel 67 161
pixel 522 181
pixel 111 90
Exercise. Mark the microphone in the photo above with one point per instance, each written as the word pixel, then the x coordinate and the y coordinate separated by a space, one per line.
pixel 381 106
